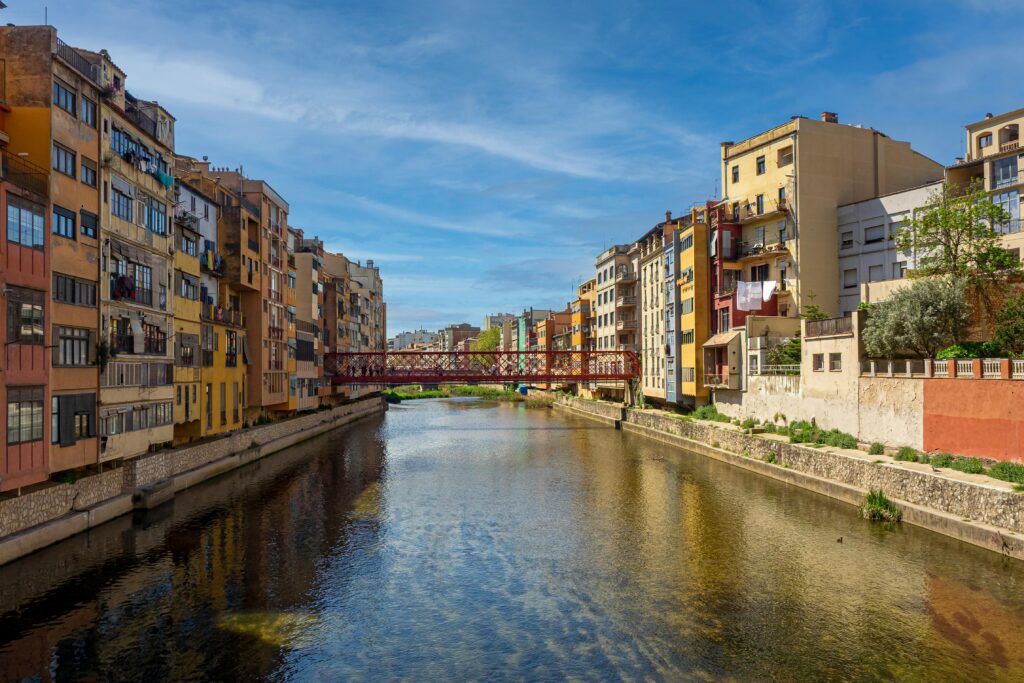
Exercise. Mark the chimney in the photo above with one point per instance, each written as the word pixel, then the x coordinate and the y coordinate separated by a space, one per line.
pixel 668 216
pixel 988 115
pixel 829 117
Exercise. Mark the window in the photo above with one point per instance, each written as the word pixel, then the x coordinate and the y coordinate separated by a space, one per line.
pixel 895 227
pixel 209 405
pixel 785 156
pixel 1009 202
pixel 723 320
pixel 139 417
pixel 188 354
pixel 1004 171
pixel 686 243
pixel 188 289
pixel 984 140
pixel 89 112
pixel 63 222
pixel 24 316
pixel 88 172
pixel 850 278
pixel 188 245
pixel 782 196
pixel 899 270
pixel 70 290
pixel 144 284
pixel 63 160
pixel 25 223
pixel 873 234
pixel 24 414
pixel 735 174
pixel 835 362
pixel 760 165
pixel 686 306
pixel 64 97
pixel 686 338
pixel 223 404
pixel 155 339
pixel 818 361
pixel 875 273
pixel 759 273
pixel 759 200
pixel 121 206
pixel 846 239
pixel 156 216
pixel 87 223
pixel 73 346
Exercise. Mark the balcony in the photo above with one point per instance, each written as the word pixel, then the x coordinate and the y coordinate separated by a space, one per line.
pixel 758 250
pixel 830 327
pixel 211 263
pixel 275 295
pixel 624 275
pixel 77 61
pixel 624 301
pixel 275 261
pixel 275 227
pixel 231 359
pixel 625 324
pixel 771 208
pixel 275 365
pixel 142 120
pixel 187 219
pixel 275 333
pixel 155 346
pixel 217 314
pixel 26 175
pixel 1014 178
pixel 1009 146
pixel 123 343
pixel 626 347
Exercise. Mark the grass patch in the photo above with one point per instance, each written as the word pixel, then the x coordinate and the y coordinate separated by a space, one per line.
pixel 906 454
pixel 749 423
pixel 1007 471
pixel 710 412
pixel 805 432
pixel 968 465
pixel 876 449
pixel 878 508
pixel 942 460
pixel 770 458
pixel 1019 488
pixel 770 428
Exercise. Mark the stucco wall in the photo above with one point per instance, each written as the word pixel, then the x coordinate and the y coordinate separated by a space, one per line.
pixel 975 417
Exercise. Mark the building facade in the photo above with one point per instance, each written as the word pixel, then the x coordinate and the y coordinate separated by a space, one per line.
pixel 615 283
pixel 648 254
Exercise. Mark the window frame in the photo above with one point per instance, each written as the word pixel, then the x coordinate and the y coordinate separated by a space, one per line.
pixel 64 160
pixel 64 223
pixel 36 227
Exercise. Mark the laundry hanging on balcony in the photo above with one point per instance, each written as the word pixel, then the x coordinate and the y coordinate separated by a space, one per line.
pixel 124 288
pixel 768 290
pixel 748 296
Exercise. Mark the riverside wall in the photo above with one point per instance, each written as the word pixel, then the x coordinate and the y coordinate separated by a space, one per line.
pixel 52 513
pixel 972 508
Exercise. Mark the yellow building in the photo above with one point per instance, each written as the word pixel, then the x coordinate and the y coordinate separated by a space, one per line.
pixel 691 254
pixel 583 315
pixel 306 261
pixel 187 241
pixel 782 188
pixel 136 304
pixel 993 156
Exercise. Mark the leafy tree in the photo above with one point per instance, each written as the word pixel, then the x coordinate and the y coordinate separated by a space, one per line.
pixel 955 234
pixel 787 353
pixel 1010 325
pixel 487 341
pixel 921 319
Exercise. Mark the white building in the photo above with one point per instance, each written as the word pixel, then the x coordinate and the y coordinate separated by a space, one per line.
pixel 866 240
pixel 615 305
pixel 404 340
pixel 496 320
pixel 649 258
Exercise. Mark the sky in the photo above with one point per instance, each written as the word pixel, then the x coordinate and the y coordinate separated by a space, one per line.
pixel 483 153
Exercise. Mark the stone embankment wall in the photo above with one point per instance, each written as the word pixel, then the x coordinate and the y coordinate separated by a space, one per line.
pixel 97 498
pixel 974 508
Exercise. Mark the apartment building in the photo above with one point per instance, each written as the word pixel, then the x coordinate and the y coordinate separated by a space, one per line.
pixel 615 283
pixel 50 196
pixel 451 335
pixel 690 286
pixel 994 156
pixel 305 261
pixel 495 320
pixel 583 313
pixel 866 240
pixel 648 254
pixel 187 243
pixel 773 233
pixel 404 340
pixel 136 302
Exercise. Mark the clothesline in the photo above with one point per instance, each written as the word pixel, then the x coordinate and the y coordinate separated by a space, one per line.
pixel 750 295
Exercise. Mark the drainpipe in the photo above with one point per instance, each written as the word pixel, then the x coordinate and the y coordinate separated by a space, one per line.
pixel 796 225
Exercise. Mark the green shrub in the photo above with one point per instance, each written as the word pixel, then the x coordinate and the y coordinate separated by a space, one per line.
pixel 942 460
pixel 906 453
pixel 715 444
pixel 709 412
pixel 877 507
pixel 834 437
pixel 968 465
pixel 749 423
pixel 985 349
pixel 876 449
pixel 770 427
pixel 1007 471
pixel 770 458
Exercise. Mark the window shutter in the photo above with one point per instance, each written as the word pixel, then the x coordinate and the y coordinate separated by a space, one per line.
pixel 55 357
pixel 89 404
pixel 91 351
pixel 66 419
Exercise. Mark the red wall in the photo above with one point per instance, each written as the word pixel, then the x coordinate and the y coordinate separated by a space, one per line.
pixel 984 418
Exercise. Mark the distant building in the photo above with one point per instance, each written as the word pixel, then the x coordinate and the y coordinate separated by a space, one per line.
pixel 496 320
pixel 615 307
pixel 403 340
pixel 450 336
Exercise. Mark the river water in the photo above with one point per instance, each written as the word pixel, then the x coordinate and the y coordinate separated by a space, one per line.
pixel 470 540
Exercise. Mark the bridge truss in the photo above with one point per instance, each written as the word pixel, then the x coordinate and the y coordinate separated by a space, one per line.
pixel 499 367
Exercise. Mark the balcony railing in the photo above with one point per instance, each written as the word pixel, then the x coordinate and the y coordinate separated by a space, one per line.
pixel 77 61
pixel 275 333
pixel 275 295
pixel 155 346
pixel 218 314
pixel 142 120
pixel 830 326
pixel 231 360
pixel 777 370
pixel 123 343
pixel 625 275
pixel 715 380
pixel 187 219
pixel 1009 146
pixel 26 175
pixel 625 324
pixel 623 301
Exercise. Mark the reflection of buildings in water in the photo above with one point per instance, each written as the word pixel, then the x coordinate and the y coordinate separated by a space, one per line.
pixel 156 594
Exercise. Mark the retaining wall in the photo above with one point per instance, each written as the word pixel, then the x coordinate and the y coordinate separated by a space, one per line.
pixel 39 518
pixel 973 508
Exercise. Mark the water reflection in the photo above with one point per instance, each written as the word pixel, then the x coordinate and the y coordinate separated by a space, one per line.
pixel 471 540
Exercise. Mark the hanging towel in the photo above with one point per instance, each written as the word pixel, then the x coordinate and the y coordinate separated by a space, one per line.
pixel 769 289
pixel 748 296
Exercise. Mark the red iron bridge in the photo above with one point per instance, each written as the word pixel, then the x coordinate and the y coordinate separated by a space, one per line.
pixel 499 367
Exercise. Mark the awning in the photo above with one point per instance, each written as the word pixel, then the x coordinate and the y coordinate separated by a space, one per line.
pixel 722 339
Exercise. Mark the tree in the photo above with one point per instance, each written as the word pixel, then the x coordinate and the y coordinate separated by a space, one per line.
pixel 487 341
pixel 813 311
pixel 787 353
pixel 921 319
pixel 1010 325
pixel 955 234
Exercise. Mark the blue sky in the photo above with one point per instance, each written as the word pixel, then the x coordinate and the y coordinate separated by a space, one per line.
pixel 482 153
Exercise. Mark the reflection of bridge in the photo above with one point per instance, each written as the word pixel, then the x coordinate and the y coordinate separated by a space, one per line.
pixel 442 367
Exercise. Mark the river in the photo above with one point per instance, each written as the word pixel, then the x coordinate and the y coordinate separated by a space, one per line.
pixel 470 540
